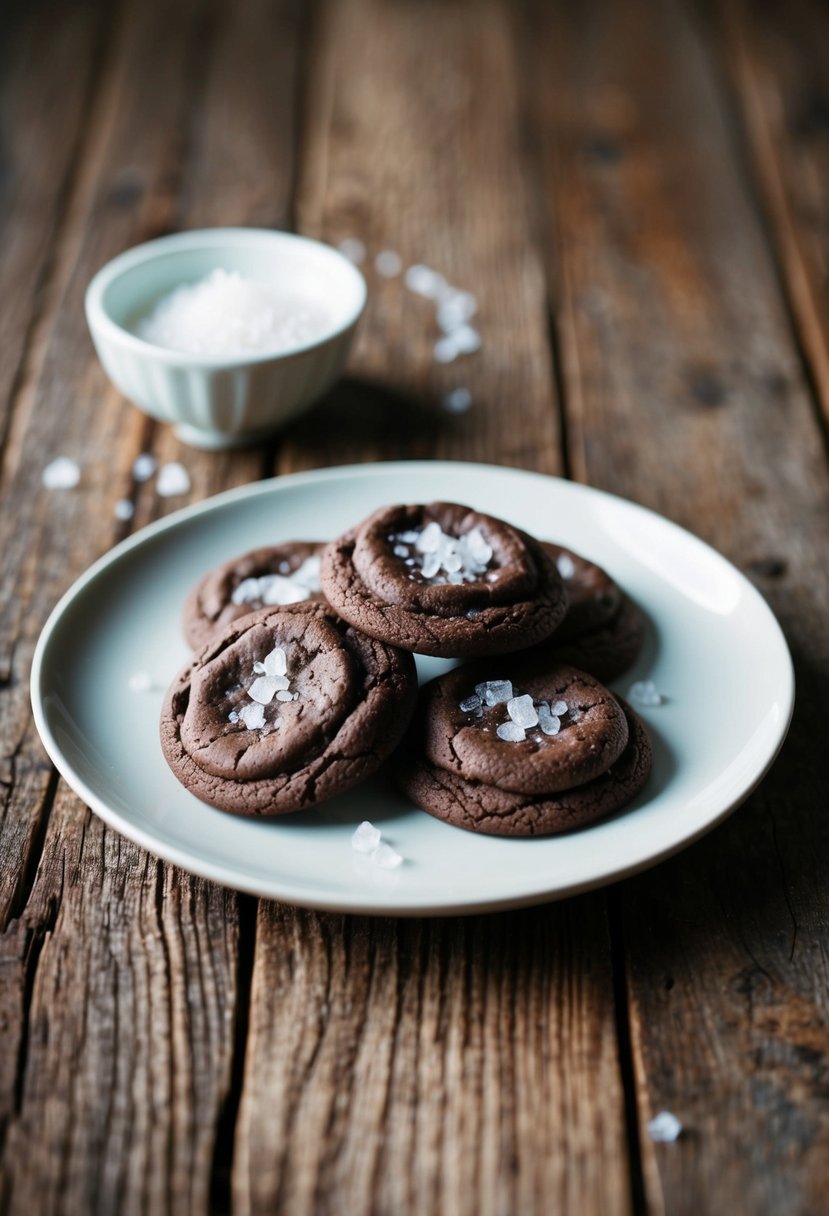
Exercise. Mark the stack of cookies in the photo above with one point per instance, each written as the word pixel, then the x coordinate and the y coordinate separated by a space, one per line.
pixel 303 682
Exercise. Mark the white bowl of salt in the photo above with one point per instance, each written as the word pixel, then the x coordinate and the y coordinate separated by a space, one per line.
pixel 225 332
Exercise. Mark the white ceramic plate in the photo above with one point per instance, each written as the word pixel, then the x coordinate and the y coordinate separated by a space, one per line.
pixel 714 650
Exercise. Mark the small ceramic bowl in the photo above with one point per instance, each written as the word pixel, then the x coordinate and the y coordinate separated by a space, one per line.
pixel 223 401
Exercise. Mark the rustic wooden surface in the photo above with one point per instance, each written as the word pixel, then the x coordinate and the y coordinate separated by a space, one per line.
pixel 637 192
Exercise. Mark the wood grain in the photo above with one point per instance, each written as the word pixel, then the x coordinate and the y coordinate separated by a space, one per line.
pixel 466 1066
pixel 122 1016
pixel 412 142
pixel 776 58
pixel 684 391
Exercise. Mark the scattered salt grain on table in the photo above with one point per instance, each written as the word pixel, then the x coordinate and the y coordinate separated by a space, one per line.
pixel 645 694
pixel 173 479
pixel 144 466
pixel 424 281
pixel 227 314
pixel 366 838
pixel 458 401
pixel 388 264
pixel 353 249
pixel 123 509
pixel 664 1128
pixel 61 474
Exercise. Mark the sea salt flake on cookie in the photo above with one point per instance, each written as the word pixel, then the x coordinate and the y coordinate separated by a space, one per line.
pixel 522 711
pixel 559 709
pixel 276 664
pixel 428 541
pixel 497 692
pixel 566 565
pixel 470 704
pixel 549 722
pixel 262 690
pixel 511 732
pixel 253 716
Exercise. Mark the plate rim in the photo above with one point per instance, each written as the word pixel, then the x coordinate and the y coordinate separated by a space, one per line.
pixel 380 907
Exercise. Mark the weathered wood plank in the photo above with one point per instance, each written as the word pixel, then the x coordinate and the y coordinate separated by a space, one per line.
pixel 684 391
pixel 459 1067
pixel 121 1011
pixel 431 1066
pixel 47 74
pixel 435 171
pixel 777 59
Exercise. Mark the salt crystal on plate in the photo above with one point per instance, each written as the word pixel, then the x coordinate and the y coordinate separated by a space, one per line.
pixel 522 711
pixel 664 1128
pixel 511 732
pixel 566 565
pixel 645 693
pixel 388 264
pixel 385 857
pixel 253 716
pixel 140 681
pixel 123 509
pixel 144 466
pixel 173 479
pixel 458 401
pixel 61 474
pixel 353 249
pixel 366 838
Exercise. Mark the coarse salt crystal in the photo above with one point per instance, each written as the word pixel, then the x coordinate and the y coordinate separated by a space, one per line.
pixel 566 565
pixel 353 249
pixel 664 1128
pixel 388 264
pixel 253 715
pixel 549 722
pixel 522 711
pixel 497 692
pixel 559 709
pixel 424 281
pixel 366 838
pixel 645 693
pixel 227 314
pixel 61 474
pixel 429 539
pixel 386 857
pixel 276 663
pixel 511 732
pixel 445 350
pixel 233 716
pixel 470 704
pixel 284 695
pixel 458 401
pixel 262 690
pixel 144 466
pixel 173 479
pixel 455 310
pixel 466 340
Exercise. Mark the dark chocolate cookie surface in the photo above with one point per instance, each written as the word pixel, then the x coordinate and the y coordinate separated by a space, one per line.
pixel 444 580
pixel 523 728
pixel 607 651
pixel 479 807
pixel 593 597
pixel 287 707
pixel 275 575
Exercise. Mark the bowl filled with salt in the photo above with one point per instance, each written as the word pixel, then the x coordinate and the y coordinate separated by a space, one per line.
pixel 226 332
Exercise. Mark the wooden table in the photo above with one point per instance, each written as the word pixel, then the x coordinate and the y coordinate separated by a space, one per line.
pixel 637 194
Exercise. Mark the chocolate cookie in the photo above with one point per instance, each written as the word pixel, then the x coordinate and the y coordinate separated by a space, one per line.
pixel 489 809
pixel 538 732
pixel 287 707
pixel 444 580
pixel 278 574
pixel 593 597
pixel 608 651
